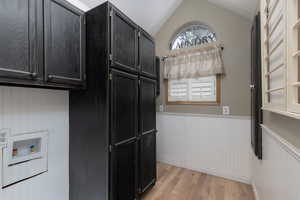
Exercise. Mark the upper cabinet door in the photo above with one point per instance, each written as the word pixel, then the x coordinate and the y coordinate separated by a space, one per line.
pixel 147 55
pixel 64 43
pixel 124 48
pixel 19 53
pixel 147 106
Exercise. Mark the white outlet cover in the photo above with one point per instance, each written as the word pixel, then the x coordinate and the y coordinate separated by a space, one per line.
pixel 226 110
pixel 161 108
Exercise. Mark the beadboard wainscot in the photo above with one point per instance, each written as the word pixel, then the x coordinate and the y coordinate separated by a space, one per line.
pixel 214 144
pixel 26 110
pixel 277 176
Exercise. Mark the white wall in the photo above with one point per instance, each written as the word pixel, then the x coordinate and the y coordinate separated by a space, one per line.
pixel 213 144
pixel 25 110
pixel 277 176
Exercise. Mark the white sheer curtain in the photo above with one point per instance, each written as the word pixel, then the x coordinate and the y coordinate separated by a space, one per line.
pixel 194 63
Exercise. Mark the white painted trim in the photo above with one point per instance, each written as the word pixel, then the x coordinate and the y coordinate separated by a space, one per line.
pixel 284 113
pixel 205 115
pixel 288 147
pixel 254 188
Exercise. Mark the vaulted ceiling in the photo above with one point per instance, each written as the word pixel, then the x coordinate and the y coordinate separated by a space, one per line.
pixel 152 14
pixel 245 8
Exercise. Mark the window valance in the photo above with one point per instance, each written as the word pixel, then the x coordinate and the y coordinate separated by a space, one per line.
pixel 194 63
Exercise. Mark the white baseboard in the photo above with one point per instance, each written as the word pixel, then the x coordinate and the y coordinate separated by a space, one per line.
pixel 255 191
pixel 225 175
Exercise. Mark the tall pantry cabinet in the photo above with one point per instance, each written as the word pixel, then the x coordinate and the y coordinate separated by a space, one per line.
pixel 113 122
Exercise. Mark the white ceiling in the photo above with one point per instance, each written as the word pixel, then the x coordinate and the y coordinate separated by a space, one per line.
pixel 245 8
pixel 152 14
pixel 149 14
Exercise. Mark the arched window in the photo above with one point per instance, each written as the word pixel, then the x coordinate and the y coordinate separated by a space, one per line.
pixel 192 35
pixel 196 90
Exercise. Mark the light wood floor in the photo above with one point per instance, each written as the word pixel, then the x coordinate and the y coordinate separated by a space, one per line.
pixel 181 184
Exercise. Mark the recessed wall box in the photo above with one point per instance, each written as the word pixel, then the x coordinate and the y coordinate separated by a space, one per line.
pixel 24 156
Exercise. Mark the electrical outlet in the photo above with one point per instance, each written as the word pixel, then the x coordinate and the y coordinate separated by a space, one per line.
pixel 4 133
pixel 226 110
pixel 161 108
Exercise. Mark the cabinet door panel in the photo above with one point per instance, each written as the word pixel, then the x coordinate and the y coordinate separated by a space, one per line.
pixel 64 43
pixel 157 62
pixel 123 42
pixel 123 172
pixel 18 36
pixel 147 161
pixel 147 105
pixel 147 55
pixel 124 107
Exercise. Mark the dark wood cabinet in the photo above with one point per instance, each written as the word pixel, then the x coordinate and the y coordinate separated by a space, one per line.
pixel 124 43
pixel 117 110
pixel 147 54
pixel 147 134
pixel 147 105
pixel 124 107
pixel 157 62
pixel 64 43
pixel 19 50
pixel 256 85
pixel 147 172
pixel 42 44
pixel 124 171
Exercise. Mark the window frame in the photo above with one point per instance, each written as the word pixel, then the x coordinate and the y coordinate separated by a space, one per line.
pixel 184 28
pixel 218 95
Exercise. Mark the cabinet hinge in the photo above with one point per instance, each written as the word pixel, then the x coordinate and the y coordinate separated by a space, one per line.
pixel 110 148
pixel 111 13
pixel 139 82
pixel 110 76
pixel 139 34
pixel 110 57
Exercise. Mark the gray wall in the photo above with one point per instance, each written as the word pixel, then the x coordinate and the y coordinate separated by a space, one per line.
pixel 233 32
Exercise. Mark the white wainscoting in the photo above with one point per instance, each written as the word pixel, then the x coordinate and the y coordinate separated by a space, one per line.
pixel 277 176
pixel 211 144
pixel 26 110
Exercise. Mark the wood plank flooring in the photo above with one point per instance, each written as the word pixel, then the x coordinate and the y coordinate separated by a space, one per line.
pixel 181 184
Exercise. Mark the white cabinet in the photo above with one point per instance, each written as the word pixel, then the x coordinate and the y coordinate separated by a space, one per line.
pixel 280 28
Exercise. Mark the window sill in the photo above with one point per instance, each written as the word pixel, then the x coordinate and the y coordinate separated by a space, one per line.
pixel 194 103
pixel 284 113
